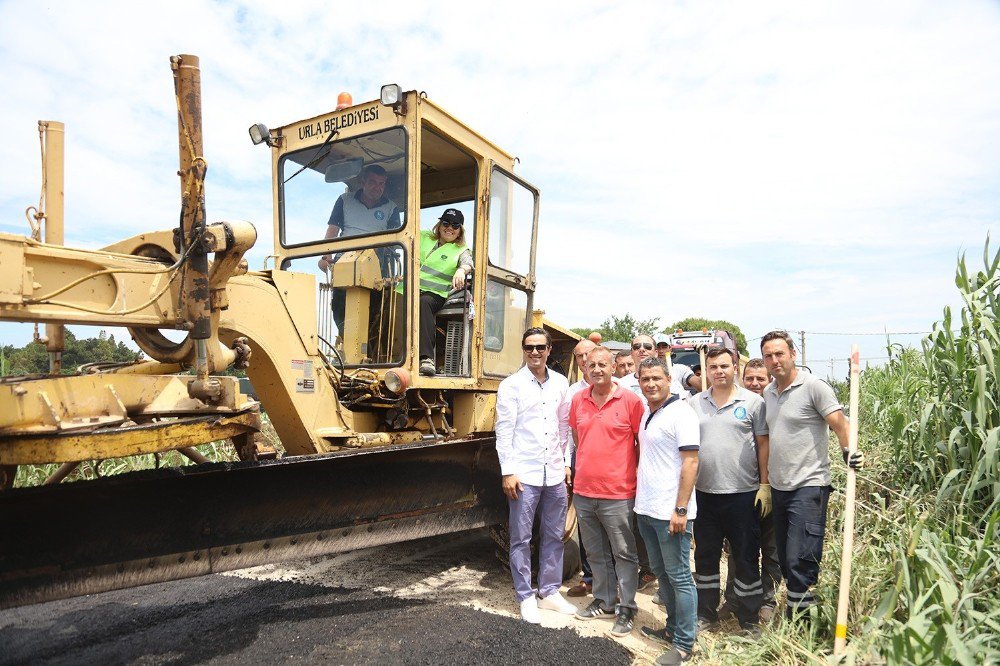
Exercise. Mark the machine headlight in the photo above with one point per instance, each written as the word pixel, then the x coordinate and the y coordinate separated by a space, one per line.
pixel 397 381
pixel 391 94
pixel 260 134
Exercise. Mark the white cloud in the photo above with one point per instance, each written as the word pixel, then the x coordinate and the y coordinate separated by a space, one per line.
pixel 713 139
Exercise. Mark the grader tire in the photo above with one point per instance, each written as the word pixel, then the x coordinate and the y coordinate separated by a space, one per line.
pixel 571 546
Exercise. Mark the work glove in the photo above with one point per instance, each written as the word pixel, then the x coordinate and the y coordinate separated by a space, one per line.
pixel 854 460
pixel 763 500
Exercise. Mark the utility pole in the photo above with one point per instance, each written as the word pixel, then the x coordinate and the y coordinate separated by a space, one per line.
pixel 802 346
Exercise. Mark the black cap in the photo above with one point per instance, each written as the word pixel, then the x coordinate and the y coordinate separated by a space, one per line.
pixel 452 215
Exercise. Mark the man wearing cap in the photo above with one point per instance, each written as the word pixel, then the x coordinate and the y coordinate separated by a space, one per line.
pixel 801 410
pixel 364 211
pixel 684 381
pixel 732 486
pixel 445 261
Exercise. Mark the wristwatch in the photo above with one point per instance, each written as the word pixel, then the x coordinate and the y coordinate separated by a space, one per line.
pixel 681 511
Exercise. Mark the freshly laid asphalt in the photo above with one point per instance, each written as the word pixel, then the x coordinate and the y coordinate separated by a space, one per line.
pixel 226 619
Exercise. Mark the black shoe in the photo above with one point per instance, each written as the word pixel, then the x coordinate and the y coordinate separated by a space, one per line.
pixel 673 656
pixel 751 630
pixel 595 611
pixel 726 611
pixel 646 580
pixel 704 624
pixel 624 622
pixel 661 636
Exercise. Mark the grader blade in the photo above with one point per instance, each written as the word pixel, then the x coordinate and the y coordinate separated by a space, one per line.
pixel 146 527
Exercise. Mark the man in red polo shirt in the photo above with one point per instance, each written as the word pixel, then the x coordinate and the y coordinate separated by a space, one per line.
pixel 605 419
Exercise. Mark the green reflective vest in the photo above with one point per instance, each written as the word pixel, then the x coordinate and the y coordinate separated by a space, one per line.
pixel 437 266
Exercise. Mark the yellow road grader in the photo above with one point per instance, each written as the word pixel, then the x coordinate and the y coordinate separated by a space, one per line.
pixel 374 452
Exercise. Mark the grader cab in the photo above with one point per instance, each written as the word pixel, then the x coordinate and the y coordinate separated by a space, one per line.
pixel 374 452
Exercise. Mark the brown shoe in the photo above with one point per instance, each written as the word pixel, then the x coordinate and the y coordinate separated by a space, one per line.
pixel 646 580
pixel 581 589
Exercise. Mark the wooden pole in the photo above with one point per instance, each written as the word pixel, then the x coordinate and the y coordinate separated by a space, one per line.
pixel 840 640
pixel 704 370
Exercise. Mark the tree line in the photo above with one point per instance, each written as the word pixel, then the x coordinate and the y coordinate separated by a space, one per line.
pixel 32 358
pixel 626 327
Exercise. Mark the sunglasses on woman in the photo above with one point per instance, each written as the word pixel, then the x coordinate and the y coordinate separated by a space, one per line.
pixel 453 225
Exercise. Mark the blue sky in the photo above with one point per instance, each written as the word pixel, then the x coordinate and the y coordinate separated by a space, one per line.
pixel 817 166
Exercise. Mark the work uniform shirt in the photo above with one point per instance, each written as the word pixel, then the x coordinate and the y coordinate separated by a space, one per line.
pixel 631 382
pixel 727 459
pixel 606 456
pixel 355 218
pixel 527 427
pixel 799 435
pixel 663 435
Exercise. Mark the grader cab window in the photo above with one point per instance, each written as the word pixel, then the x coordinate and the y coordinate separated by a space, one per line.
pixel 349 188
pixel 361 305
pixel 512 214
pixel 448 177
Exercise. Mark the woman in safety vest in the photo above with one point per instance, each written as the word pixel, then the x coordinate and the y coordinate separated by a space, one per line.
pixel 444 263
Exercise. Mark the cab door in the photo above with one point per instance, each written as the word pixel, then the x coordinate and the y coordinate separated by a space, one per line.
pixel 512 213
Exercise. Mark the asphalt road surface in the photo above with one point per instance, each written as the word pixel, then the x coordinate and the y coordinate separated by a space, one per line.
pixel 443 600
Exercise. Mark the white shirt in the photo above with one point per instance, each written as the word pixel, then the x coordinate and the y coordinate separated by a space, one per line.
pixel 528 430
pixel 671 429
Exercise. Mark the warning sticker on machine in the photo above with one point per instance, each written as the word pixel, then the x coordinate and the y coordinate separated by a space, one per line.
pixel 306 383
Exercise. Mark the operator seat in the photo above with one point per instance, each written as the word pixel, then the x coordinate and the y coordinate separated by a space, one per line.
pixel 454 320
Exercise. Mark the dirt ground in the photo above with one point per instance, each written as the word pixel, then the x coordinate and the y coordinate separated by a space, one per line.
pixel 442 600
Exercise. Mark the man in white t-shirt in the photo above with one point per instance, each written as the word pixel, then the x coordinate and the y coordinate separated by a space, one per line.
pixel 669 438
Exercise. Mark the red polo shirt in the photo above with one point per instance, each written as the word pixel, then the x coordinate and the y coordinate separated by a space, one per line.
pixel 606 454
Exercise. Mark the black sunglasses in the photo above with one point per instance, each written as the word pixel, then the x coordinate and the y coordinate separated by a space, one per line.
pixel 648 346
pixel 453 225
pixel 537 348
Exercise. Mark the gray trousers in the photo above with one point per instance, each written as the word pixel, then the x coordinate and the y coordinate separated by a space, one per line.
pixel 606 528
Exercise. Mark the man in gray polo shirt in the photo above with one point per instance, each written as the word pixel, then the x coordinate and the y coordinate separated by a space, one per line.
pixel 801 410
pixel 732 480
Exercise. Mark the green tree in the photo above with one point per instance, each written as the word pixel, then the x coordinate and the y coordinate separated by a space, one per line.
pixel 34 359
pixel 698 323
pixel 622 328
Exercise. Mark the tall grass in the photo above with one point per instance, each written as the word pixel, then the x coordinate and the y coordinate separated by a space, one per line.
pixel 926 573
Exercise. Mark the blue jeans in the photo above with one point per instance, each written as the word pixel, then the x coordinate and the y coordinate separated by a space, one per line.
pixel 670 560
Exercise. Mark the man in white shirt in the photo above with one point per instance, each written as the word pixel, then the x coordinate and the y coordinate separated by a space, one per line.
pixel 532 462
pixel 669 438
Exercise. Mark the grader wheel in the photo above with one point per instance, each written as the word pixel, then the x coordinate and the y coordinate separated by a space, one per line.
pixel 571 544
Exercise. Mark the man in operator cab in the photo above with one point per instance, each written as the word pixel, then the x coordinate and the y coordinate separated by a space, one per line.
pixel 364 211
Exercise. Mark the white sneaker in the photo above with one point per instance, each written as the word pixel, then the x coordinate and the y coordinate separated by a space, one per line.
pixel 556 602
pixel 529 611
